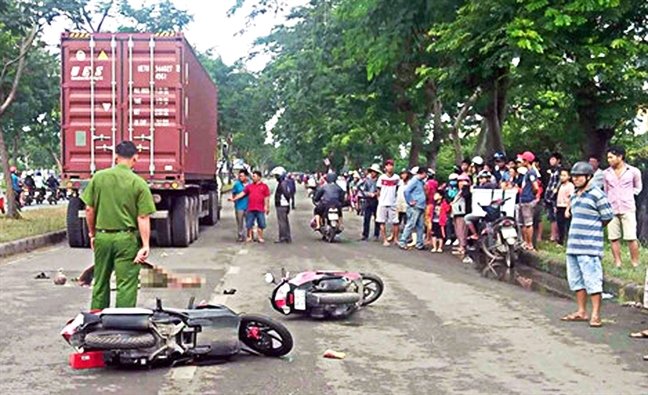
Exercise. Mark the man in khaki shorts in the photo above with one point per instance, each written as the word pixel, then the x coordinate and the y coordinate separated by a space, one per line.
pixel 622 183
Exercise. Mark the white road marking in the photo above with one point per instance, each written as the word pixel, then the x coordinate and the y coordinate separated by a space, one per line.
pixel 183 373
pixel 233 270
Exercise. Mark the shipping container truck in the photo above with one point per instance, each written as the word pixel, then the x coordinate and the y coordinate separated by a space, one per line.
pixel 150 89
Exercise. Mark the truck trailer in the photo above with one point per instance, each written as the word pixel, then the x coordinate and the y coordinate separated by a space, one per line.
pixel 151 89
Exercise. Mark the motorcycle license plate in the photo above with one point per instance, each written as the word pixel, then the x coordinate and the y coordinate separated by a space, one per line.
pixel 509 233
pixel 333 217
pixel 300 299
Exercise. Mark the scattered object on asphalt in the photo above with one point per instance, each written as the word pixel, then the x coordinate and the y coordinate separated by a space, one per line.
pixel 525 282
pixel 640 335
pixel 85 279
pixel 59 277
pixel 607 296
pixel 637 305
pixel 230 291
pixel 42 276
pixel 334 354
pixel 164 255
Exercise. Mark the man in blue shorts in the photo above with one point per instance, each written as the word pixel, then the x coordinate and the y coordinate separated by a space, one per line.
pixel 590 212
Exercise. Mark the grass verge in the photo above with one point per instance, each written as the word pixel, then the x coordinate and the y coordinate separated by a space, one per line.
pixel 33 223
pixel 626 272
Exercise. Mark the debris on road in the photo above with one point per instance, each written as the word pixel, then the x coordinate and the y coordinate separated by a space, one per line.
pixel 60 278
pixel 334 354
pixel 230 291
pixel 41 276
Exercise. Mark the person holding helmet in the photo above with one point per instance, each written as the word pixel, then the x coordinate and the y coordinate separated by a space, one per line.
pixel 282 198
pixel 590 212
pixel 329 195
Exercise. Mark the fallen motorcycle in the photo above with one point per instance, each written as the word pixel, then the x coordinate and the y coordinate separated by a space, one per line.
pixel 201 334
pixel 324 294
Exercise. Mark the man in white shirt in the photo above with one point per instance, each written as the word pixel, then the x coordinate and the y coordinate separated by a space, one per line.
pixel 387 186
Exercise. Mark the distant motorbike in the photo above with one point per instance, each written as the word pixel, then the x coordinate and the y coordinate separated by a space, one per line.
pixel 39 196
pixel 330 225
pixel 28 197
pixel 324 294
pixel 498 238
pixel 52 196
pixel 163 336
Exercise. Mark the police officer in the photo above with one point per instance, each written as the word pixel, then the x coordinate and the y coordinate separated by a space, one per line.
pixel 118 203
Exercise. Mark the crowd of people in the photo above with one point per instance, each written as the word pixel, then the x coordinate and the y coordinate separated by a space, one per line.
pixel 414 209
pixel 27 184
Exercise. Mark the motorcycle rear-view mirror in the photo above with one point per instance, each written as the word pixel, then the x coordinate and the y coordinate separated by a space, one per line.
pixel 269 278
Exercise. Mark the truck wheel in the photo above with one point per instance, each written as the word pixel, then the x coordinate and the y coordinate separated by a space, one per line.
pixel 192 219
pixel 196 221
pixel 163 230
pixel 74 223
pixel 180 222
pixel 211 218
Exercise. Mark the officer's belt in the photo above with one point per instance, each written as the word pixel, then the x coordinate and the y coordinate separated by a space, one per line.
pixel 129 230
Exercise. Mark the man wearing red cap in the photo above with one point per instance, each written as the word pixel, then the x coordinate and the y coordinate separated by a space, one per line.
pixel 387 185
pixel 529 197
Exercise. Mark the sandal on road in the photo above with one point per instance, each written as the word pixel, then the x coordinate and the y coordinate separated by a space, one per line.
pixel 640 335
pixel 596 323
pixel 574 317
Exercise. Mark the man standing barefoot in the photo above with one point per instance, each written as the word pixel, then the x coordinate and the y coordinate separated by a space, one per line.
pixel 590 212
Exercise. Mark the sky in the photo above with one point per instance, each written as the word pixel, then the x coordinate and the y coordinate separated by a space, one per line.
pixel 212 28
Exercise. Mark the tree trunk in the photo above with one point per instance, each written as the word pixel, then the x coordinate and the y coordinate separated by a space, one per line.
pixel 456 141
pixel 57 161
pixel 417 138
pixel 440 134
pixel 12 209
pixel 496 91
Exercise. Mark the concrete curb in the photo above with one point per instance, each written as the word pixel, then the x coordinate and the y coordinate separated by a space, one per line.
pixel 625 291
pixel 31 243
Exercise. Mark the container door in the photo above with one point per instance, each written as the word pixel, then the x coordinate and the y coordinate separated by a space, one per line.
pixel 91 114
pixel 152 79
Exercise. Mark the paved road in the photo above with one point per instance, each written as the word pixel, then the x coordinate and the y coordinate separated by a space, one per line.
pixel 439 328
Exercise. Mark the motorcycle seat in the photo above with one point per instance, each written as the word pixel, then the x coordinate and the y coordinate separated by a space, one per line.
pixel 138 322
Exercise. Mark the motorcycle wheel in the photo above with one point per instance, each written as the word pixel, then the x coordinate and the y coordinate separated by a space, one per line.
pixel 509 259
pixel 119 340
pixel 265 336
pixel 372 287
pixel 490 251
pixel 331 235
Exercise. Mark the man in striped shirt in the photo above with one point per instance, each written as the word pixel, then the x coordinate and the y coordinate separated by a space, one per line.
pixel 590 212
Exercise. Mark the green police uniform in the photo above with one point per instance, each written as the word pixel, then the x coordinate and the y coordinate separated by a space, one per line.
pixel 118 196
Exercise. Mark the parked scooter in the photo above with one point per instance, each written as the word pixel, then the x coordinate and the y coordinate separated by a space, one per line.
pixel 324 294
pixel 162 336
pixel 498 239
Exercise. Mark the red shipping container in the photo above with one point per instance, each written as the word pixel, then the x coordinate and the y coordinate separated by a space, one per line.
pixel 87 360
pixel 146 87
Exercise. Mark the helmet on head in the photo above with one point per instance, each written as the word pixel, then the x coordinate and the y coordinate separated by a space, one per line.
pixel 498 156
pixel 478 161
pixel 38 173
pixel 331 177
pixel 13 169
pixel 430 173
pixel 582 169
pixel 278 171
pixel 463 177
pixel 484 174
pixel 30 173
pixel 453 177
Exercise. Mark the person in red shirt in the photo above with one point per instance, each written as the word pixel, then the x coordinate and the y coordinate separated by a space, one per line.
pixel 258 195
pixel 439 210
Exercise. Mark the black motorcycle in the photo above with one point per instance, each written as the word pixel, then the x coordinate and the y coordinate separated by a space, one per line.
pixel 199 334
pixel 498 239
